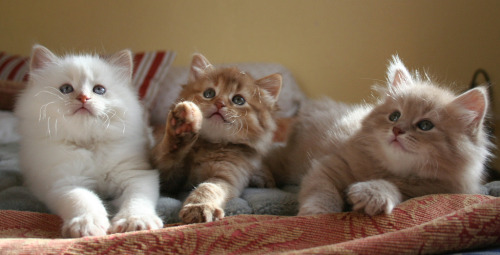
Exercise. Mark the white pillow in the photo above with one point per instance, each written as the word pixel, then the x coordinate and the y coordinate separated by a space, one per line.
pixel 8 126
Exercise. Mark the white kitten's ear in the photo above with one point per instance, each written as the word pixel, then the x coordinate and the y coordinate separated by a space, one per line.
pixel 475 104
pixel 40 57
pixel 124 60
pixel 397 73
pixel 272 84
pixel 199 67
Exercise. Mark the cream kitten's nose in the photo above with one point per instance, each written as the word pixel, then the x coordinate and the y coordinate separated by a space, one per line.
pixel 397 131
pixel 83 98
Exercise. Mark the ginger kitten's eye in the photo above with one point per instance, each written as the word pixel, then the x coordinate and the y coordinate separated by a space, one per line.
pixel 99 89
pixel 425 125
pixel 239 100
pixel 66 88
pixel 394 116
pixel 209 93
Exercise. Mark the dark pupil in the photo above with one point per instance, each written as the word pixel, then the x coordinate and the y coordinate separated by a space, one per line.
pixel 425 125
pixel 239 100
pixel 100 90
pixel 66 89
pixel 209 93
pixel 394 116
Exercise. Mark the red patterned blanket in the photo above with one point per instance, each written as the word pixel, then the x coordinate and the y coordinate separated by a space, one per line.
pixel 430 224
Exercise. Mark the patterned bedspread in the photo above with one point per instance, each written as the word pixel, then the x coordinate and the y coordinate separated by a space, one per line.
pixel 425 225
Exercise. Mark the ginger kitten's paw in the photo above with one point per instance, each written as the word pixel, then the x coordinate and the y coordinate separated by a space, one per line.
pixel 197 213
pixel 135 222
pixel 86 225
pixel 373 197
pixel 186 117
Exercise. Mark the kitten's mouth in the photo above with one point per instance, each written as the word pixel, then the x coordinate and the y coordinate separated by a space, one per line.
pixel 217 115
pixel 398 145
pixel 82 110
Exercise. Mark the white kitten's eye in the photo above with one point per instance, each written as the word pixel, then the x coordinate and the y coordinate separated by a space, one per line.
pixel 239 100
pixel 99 89
pixel 425 125
pixel 209 93
pixel 394 116
pixel 66 88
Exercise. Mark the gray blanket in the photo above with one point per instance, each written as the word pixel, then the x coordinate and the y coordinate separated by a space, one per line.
pixel 14 196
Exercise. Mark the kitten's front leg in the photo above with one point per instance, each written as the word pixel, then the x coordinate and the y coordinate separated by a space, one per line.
pixel 205 203
pixel 137 203
pixel 374 197
pixel 82 211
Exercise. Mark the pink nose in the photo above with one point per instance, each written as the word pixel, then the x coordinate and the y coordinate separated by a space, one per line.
pixel 83 98
pixel 397 131
pixel 220 104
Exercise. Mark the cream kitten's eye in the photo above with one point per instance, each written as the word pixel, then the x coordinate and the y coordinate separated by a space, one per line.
pixel 99 89
pixel 66 88
pixel 425 125
pixel 394 116
pixel 209 93
pixel 239 100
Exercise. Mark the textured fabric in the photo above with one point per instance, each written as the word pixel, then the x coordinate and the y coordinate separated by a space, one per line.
pixel 426 225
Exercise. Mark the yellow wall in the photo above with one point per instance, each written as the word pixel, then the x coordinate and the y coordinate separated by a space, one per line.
pixel 334 48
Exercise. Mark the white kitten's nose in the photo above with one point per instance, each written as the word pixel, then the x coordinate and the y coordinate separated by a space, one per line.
pixel 83 98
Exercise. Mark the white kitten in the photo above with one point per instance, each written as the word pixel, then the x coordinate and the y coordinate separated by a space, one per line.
pixel 84 138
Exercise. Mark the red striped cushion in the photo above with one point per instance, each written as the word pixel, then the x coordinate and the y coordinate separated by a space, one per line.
pixel 150 69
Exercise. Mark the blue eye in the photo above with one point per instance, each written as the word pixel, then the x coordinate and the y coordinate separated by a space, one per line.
pixel 209 93
pixel 66 88
pixel 99 89
pixel 425 125
pixel 239 100
pixel 394 116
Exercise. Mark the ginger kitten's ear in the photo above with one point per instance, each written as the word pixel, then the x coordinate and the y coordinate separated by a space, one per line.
pixel 475 104
pixel 397 72
pixel 40 57
pixel 199 67
pixel 123 59
pixel 271 84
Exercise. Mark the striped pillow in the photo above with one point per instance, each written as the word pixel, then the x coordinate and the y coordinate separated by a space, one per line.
pixel 150 69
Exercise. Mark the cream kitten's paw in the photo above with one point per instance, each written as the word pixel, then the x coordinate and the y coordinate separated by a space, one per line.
pixel 374 197
pixel 197 213
pixel 135 222
pixel 86 225
pixel 186 117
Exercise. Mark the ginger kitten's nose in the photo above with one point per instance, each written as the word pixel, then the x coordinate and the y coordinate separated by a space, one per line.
pixel 83 98
pixel 220 104
pixel 397 131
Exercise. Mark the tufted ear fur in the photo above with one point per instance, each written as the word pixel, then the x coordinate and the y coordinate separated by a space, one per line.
pixel 199 67
pixel 474 103
pixel 397 73
pixel 271 84
pixel 40 57
pixel 123 60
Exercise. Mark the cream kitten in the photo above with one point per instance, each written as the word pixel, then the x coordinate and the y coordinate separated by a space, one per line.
pixel 216 136
pixel 419 139
pixel 84 138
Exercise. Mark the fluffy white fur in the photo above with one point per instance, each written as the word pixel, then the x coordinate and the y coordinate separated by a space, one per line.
pixel 81 147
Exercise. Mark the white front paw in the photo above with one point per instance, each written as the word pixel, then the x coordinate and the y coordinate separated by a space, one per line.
pixel 86 225
pixel 134 222
pixel 373 197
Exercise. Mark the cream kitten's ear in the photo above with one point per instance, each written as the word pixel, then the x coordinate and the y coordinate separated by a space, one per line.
pixel 41 56
pixel 199 67
pixel 475 102
pixel 272 84
pixel 397 72
pixel 124 60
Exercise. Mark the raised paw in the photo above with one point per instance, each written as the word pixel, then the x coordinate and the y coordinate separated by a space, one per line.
pixel 197 213
pixel 186 117
pixel 125 223
pixel 86 225
pixel 373 197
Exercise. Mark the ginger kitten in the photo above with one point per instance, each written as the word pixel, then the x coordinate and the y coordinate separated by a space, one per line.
pixel 215 138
